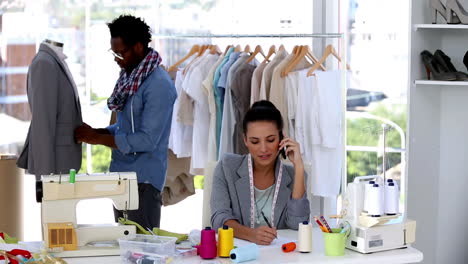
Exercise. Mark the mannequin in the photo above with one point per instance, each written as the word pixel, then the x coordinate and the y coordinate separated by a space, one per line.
pixel 56 112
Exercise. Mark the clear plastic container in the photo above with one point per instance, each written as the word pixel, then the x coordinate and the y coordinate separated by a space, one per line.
pixel 157 248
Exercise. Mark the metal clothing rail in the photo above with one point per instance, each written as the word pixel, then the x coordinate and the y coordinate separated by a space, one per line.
pixel 315 35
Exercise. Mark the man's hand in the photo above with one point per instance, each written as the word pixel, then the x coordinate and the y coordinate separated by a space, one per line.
pixel 87 134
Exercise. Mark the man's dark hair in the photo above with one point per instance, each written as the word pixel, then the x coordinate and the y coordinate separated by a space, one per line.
pixel 131 29
pixel 263 111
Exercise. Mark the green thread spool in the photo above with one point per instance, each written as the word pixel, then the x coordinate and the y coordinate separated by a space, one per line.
pixel 72 175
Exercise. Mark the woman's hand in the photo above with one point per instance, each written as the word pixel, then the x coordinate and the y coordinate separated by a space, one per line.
pixel 293 151
pixel 263 235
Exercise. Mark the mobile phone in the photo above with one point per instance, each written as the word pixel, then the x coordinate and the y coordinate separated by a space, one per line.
pixel 282 152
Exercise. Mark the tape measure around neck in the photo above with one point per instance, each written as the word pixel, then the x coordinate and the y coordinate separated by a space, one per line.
pixel 252 193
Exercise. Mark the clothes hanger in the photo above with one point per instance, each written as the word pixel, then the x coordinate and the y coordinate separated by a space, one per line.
pixel 247 49
pixel 214 49
pixel 258 49
pixel 329 50
pixel 281 47
pixel 237 48
pixel 202 50
pixel 301 52
pixel 227 49
pixel 271 51
pixel 195 48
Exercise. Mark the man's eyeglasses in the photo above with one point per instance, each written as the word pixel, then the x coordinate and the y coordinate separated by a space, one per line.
pixel 116 55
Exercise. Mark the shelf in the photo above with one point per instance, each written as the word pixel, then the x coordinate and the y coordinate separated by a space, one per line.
pixel 445 83
pixel 440 26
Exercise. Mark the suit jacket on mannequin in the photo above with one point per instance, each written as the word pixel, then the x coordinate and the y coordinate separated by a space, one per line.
pixel 50 146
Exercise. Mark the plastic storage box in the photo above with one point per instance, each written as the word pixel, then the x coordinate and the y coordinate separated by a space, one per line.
pixel 138 247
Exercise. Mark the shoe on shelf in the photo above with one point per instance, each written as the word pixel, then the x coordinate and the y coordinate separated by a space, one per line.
pixel 446 65
pixel 438 71
pixel 457 8
pixel 438 7
pixel 465 60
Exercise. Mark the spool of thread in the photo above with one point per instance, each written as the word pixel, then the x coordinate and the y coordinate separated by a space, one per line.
pixel 208 243
pixel 225 241
pixel 366 194
pixel 288 247
pixel 245 253
pixel 304 237
pixel 392 196
pixel 376 203
pixel 72 175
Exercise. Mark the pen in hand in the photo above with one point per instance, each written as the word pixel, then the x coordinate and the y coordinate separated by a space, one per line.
pixel 266 220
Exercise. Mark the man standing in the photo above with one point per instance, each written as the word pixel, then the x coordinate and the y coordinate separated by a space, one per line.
pixel 143 99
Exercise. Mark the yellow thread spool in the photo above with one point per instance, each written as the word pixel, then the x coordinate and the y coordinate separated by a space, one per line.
pixel 225 241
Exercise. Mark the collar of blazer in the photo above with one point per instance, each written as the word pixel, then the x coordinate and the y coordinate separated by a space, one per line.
pixel 43 47
pixel 243 185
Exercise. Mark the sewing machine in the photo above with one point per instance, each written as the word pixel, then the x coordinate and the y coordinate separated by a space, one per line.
pixel 372 234
pixel 59 200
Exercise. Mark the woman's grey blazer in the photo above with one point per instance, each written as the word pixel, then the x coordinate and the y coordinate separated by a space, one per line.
pixel 230 197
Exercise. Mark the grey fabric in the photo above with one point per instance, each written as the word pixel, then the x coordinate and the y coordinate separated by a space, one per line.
pixel 50 146
pixel 230 197
pixel 240 90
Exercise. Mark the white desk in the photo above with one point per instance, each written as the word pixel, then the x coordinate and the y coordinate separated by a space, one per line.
pixel 275 255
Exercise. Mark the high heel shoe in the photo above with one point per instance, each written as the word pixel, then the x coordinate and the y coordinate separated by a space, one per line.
pixel 465 60
pixel 438 7
pixel 433 67
pixel 457 8
pixel 446 65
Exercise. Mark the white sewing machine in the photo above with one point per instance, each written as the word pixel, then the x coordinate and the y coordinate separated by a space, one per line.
pixel 59 200
pixel 373 234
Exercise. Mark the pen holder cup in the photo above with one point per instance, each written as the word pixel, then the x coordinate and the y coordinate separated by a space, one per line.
pixel 335 242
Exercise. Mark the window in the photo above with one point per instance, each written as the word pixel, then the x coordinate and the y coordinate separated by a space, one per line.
pixel 377 93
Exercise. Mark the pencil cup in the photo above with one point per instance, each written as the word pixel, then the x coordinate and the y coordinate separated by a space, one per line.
pixel 335 242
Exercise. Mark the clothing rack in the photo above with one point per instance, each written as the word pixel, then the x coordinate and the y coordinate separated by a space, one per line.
pixel 313 35
pixel 329 203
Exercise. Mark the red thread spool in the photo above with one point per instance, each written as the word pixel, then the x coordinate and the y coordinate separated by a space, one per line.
pixel 288 247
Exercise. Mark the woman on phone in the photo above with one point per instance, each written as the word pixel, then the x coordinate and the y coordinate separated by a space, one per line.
pixel 256 194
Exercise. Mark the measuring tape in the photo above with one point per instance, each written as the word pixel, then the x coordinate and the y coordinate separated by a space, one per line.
pixel 252 193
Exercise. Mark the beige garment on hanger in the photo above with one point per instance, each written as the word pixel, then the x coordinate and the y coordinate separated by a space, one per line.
pixel 179 182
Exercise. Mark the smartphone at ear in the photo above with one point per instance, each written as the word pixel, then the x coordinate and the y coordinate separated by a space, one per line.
pixel 282 152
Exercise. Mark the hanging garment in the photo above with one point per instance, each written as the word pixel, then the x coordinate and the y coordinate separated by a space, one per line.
pixel 256 82
pixel 207 85
pixel 317 99
pixel 221 92
pixel 277 94
pixel 267 73
pixel 180 139
pixel 219 97
pixel 193 86
pixel 228 120
pixel 179 182
pixel 50 146
pixel 240 89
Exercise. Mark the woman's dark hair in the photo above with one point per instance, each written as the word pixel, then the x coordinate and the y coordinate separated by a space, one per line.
pixel 131 29
pixel 263 111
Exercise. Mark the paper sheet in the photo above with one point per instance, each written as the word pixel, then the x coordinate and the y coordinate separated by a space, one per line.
pixel 274 244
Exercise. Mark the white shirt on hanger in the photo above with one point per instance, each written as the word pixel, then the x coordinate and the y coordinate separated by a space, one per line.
pixel 193 86
pixel 207 85
pixel 326 163
pixel 277 91
pixel 180 139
